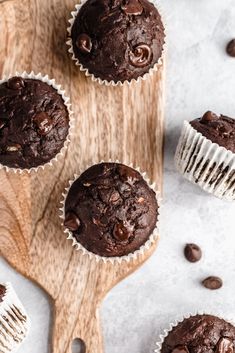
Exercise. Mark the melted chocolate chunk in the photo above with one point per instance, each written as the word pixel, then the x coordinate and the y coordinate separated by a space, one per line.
pixel 34 123
pixel 231 48
pixel 117 209
pixel 127 38
pixel 121 232
pixel 15 83
pixel 209 116
pixel 43 123
pixel 84 43
pixel 225 345
pixel 141 56
pixel 132 7
pixel 72 222
pixel 212 283
pixel 201 334
pixel 218 129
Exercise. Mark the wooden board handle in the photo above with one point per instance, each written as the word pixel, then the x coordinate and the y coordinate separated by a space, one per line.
pixel 87 328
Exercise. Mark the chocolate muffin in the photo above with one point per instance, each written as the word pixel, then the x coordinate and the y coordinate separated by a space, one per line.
pixel 118 40
pixel 14 321
pixel 201 334
pixel 218 129
pixel 34 123
pixel 205 154
pixel 2 292
pixel 110 210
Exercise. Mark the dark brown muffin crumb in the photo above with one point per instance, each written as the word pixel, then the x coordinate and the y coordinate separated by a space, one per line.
pixel 201 334
pixel 118 40
pixel 218 129
pixel 111 210
pixel 34 123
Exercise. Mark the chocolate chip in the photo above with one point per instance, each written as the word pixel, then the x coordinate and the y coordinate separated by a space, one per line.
pixel 230 49
pixel 209 116
pixel 120 232
pixel 15 83
pixel 127 173
pixel 225 345
pixel 13 147
pixel 212 282
pixel 192 252
pixel 72 222
pixel 180 349
pixel 84 43
pixel 115 197
pixel 132 7
pixel 141 55
pixel 43 123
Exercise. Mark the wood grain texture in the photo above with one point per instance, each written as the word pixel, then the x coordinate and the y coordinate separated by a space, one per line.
pixel 124 123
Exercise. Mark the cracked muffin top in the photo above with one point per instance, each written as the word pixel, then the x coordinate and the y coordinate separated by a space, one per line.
pixel 111 210
pixel 34 123
pixel 118 40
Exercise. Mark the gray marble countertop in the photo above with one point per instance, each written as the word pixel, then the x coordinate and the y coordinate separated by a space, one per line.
pixel 200 76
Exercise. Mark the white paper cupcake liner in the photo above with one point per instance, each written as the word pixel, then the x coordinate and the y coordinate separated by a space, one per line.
pixel 162 337
pixel 205 163
pixel 113 83
pixel 132 256
pixel 50 82
pixel 14 322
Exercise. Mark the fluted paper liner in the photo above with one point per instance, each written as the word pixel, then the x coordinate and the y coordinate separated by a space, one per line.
pixel 140 252
pixel 205 163
pixel 14 322
pixel 113 83
pixel 162 337
pixel 50 82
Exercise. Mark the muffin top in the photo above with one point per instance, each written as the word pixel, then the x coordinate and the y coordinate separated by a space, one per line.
pixel 111 210
pixel 118 40
pixel 201 334
pixel 34 123
pixel 2 292
pixel 218 129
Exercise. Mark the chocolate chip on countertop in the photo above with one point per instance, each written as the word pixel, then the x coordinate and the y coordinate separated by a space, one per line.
pixel 120 232
pixel 43 123
pixel 132 7
pixel 209 116
pixel 212 282
pixel 72 222
pixel 180 349
pixel 225 345
pixel 15 83
pixel 192 252
pixel 84 43
pixel 230 49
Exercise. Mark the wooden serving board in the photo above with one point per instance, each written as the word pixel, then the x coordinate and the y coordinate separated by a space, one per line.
pixel 124 123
